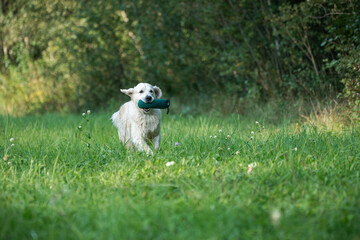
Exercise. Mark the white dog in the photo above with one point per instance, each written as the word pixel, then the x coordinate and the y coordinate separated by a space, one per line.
pixel 136 126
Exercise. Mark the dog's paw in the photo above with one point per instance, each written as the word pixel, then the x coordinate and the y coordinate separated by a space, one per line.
pixel 149 151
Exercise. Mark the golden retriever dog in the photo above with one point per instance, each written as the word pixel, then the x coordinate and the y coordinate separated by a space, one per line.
pixel 137 127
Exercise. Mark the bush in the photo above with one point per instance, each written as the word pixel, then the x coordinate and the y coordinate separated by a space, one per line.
pixel 70 54
pixel 28 89
pixel 344 40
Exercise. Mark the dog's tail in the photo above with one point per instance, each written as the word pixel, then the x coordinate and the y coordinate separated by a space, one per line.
pixel 116 119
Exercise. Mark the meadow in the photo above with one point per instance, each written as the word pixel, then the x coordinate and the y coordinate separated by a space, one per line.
pixel 232 177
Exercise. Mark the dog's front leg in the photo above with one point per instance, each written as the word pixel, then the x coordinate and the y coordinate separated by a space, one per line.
pixel 156 142
pixel 139 141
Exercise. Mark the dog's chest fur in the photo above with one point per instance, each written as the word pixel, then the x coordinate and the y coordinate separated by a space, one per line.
pixel 149 125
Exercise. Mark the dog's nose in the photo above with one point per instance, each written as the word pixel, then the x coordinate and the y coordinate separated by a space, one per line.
pixel 148 98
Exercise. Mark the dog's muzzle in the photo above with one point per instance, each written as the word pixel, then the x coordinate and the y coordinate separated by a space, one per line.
pixel 148 99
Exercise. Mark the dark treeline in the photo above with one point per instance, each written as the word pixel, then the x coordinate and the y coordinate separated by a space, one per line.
pixel 60 55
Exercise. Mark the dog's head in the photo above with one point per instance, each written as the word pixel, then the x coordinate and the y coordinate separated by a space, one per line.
pixel 145 92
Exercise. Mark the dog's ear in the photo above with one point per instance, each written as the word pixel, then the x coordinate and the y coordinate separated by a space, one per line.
pixel 128 92
pixel 158 92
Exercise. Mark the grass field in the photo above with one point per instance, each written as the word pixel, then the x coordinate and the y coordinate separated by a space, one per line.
pixel 62 182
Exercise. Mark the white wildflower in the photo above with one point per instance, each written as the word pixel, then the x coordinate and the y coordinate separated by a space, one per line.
pixel 220 131
pixel 88 112
pixel 12 145
pixel 210 136
pixel 83 114
pixel 256 122
pixel 215 136
pixel 228 149
pixel 295 149
pixel 252 165
pixel 275 216
pixel 12 139
pixel 252 132
pixel 237 153
pixel 228 136
pixel 168 164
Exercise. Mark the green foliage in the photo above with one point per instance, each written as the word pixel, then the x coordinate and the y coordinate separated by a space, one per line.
pixel 350 66
pixel 54 185
pixel 83 51
pixel 344 39
pixel 73 47
pixel 27 89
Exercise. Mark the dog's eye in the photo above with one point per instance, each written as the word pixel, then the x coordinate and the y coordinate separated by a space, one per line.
pixel 141 91
pixel 151 91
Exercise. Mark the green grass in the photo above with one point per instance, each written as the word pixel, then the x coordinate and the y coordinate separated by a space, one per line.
pixel 58 187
